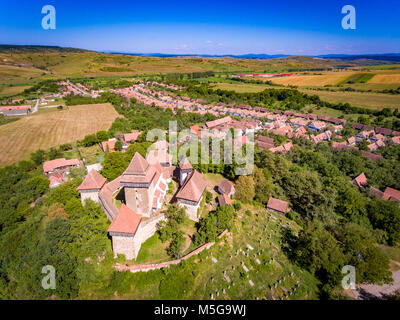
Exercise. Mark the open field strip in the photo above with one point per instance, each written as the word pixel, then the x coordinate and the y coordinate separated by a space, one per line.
pixel 359 99
pixel 313 80
pixel 20 138
pixel 242 87
pixel 386 78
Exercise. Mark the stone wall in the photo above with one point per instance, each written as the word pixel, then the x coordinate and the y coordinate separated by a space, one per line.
pixel 145 230
pixel 148 267
pixel 89 194
pixel 124 245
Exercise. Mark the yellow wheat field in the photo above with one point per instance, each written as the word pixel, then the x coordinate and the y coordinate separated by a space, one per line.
pixel 388 78
pixel 313 80
pixel 18 139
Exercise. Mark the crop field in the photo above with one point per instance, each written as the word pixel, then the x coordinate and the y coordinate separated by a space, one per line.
pixel 386 78
pixel 359 99
pixel 313 80
pixel 20 138
pixel 358 78
pixel 242 87
pixel 10 91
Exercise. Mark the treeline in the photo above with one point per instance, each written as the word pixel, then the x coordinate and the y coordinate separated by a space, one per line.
pixel 186 76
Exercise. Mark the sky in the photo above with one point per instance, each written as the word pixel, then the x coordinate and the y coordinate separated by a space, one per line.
pixel 294 27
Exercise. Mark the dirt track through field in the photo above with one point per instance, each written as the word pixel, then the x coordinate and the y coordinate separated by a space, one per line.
pixel 18 139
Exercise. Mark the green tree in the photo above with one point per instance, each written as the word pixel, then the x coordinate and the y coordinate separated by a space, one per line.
pixel 360 249
pixel 385 215
pixel 102 136
pixel 245 189
pixel 114 165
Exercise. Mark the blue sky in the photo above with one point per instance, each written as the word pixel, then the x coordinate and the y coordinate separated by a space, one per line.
pixel 306 27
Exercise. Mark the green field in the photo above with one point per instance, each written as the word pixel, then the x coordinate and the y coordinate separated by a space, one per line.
pixel 358 78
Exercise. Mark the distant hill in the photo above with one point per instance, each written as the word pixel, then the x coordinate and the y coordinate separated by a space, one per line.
pixel 393 57
pixel 32 48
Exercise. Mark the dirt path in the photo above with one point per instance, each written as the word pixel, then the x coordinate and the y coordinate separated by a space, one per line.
pixel 372 292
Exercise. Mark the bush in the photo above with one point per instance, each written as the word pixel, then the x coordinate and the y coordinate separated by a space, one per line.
pixel 237 205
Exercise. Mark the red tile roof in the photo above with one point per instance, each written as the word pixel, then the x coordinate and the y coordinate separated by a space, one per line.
pixel 126 221
pixel 128 137
pixel 158 156
pixel 391 194
pixel 218 122
pixel 93 180
pixel 58 163
pixel 224 200
pixel 110 144
pixel 371 156
pixel 193 188
pixel 277 205
pixel 226 187
pixel 361 181
pixel 8 108
pixel 137 165
pixel 265 139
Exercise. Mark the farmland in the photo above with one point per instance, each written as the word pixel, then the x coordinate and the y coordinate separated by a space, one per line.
pixel 46 130
pixel 359 99
pixel 331 78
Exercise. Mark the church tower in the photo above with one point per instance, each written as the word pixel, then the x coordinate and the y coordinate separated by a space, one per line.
pixel 185 169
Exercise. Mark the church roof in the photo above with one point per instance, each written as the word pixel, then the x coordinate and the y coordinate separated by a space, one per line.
pixel 93 180
pixel 185 164
pixel 138 165
pixel 193 189
pixel 126 221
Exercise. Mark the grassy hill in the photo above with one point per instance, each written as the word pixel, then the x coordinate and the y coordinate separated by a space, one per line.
pixel 23 65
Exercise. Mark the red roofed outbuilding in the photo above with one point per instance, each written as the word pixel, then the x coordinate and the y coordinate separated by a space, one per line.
pixel 277 205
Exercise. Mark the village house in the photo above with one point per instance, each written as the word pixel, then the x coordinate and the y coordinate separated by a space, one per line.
pixel 391 194
pixel 226 187
pixel 278 206
pixel 361 181
pixel 55 180
pixel 224 200
pixel 108 146
pixel 59 165
pixel 285 148
pixel 351 141
pixel 327 135
pixel 316 125
pixel 15 110
pixel 218 122
pixel 364 135
pixel 371 156
pixel 396 140
pixel 131 137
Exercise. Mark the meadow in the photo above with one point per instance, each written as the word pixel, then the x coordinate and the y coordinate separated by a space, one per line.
pixel 358 99
pixel 43 131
